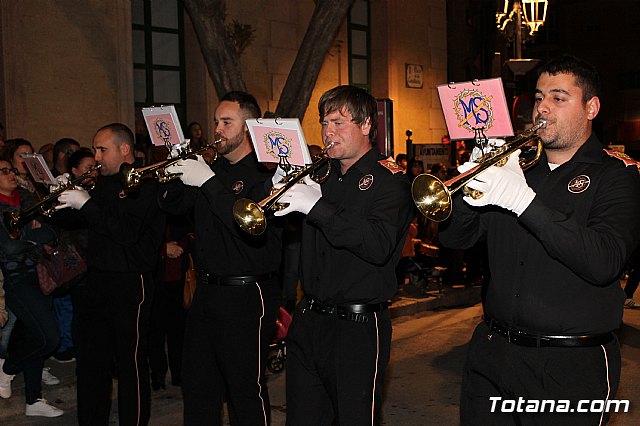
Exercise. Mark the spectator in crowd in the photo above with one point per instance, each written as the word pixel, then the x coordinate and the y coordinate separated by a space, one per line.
pixel 401 160
pixel 61 152
pixel 35 334
pixel 197 140
pixel 14 151
pixel 62 304
pixel 415 167
pixel 168 315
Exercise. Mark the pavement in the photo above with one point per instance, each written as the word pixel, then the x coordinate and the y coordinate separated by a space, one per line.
pixel 167 405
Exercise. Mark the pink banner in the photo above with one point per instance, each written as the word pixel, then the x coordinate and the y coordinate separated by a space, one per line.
pixel 478 105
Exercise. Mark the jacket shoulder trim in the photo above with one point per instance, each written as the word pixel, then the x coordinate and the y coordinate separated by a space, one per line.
pixel 391 165
pixel 628 161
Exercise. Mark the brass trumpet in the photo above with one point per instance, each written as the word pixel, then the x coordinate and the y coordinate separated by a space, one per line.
pixel 433 197
pixel 250 215
pixel 15 220
pixel 131 177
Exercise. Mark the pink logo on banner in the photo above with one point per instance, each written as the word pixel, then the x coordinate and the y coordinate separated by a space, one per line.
pixel 276 143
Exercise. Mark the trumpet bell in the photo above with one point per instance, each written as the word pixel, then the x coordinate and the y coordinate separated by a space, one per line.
pixel 249 216
pixel 432 197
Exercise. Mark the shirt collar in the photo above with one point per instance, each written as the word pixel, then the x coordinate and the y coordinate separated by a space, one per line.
pixel 590 152
pixel 364 163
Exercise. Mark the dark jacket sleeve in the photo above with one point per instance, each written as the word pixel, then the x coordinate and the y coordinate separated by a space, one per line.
pixel 599 250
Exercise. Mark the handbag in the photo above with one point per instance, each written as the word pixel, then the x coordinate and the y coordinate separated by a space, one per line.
pixel 282 323
pixel 190 280
pixel 61 268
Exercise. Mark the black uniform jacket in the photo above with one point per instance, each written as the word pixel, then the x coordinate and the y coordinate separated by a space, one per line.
pixel 556 268
pixel 220 246
pixel 352 238
pixel 125 230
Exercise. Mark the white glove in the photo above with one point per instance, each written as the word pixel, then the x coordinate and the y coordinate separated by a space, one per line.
pixel 301 198
pixel 192 172
pixel 60 181
pixel 465 167
pixel 74 198
pixel 504 186
pixel 278 175
pixel 491 144
pixel 177 149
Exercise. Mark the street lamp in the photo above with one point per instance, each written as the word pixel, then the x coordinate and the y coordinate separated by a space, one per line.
pixel 519 25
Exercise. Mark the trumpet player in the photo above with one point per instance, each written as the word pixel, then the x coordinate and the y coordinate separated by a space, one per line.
pixel 558 239
pixel 352 237
pixel 233 314
pixel 113 308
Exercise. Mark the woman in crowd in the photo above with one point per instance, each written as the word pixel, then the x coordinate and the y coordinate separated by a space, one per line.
pixel 197 140
pixel 13 152
pixel 35 335
pixel 79 162
pixel 195 135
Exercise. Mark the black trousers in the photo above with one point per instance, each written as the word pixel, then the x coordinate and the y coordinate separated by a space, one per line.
pixel 112 324
pixel 35 335
pixel 335 368
pixel 496 369
pixel 226 343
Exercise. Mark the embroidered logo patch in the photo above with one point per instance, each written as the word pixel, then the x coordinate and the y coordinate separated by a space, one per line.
pixel 579 184
pixel 365 182
pixel 122 193
pixel 237 187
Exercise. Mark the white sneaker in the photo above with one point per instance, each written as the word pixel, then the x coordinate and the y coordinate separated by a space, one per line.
pixel 42 408
pixel 630 304
pixel 48 378
pixel 5 382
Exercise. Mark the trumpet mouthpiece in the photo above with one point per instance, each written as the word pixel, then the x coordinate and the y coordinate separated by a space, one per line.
pixel 542 124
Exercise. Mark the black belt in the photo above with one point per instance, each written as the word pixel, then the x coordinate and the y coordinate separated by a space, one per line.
pixel 522 338
pixel 356 312
pixel 233 280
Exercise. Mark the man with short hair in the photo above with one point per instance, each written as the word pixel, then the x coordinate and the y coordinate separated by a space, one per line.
pixel 558 238
pixel 352 237
pixel 112 313
pixel 233 315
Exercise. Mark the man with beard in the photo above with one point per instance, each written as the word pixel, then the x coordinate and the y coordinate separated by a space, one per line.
pixel 558 240
pixel 232 318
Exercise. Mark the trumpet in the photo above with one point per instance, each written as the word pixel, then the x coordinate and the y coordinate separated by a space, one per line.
pixel 15 220
pixel 131 177
pixel 433 197
pixel 250 215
